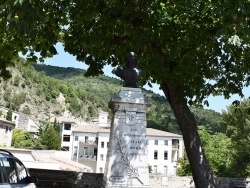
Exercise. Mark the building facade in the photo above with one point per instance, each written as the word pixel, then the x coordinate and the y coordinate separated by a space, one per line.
pixel 6 129
pixel 88 145
pixel 21 120
pixel 164 149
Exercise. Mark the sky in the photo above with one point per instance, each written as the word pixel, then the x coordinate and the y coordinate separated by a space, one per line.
pixel 64 59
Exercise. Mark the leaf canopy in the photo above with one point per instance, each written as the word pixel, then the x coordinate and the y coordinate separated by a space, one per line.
pixel 203 46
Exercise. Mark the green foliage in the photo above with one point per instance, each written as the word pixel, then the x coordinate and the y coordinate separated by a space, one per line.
pixel 9 115
pixel 26 110
pixel 192 49
pixel 218 151
pixel 23 85
pixel 150 169
pixel 99 90
pixel 208 117
pixel 160 116
pixel 16 80
pixel 84 97
pixel 50 136
pixel 56 126
pixel 21 138
pixel 44 91
pixel 236 123
pixel 184 167
pixel 17 100
pixel 191 40
pixel 7 94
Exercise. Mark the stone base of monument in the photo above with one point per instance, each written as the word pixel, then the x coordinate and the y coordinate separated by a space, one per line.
pixel 127 160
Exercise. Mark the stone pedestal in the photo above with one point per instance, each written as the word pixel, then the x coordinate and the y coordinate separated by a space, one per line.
pixel 127 160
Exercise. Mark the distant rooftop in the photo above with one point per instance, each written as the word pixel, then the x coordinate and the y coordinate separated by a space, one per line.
pixel 155 132
pixel 98 129
pixel 6 121
pixel 91 129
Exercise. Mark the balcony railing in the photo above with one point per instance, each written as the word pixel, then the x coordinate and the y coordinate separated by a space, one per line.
pixel 88 142
pixel 91 157
pixel 175 147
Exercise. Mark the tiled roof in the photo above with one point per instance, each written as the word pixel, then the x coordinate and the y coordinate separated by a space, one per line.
pixel 155 132
pixel 6 121
pixel 68 120
pixel 99 129
pixel 91 129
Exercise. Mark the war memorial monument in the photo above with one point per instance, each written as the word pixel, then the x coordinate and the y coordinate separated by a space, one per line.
pixel 127 159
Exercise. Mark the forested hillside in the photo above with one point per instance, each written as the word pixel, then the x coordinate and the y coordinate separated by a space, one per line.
pixel 102 88
pixel 44 91
pixel 41 96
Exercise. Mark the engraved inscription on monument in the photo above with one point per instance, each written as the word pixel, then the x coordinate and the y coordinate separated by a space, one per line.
pixel 129 151
pixel 127 162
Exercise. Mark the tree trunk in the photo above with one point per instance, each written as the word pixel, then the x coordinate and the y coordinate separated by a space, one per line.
pixel 201 171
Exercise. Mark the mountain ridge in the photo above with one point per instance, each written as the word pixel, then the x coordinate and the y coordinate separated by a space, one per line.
pixel 54 90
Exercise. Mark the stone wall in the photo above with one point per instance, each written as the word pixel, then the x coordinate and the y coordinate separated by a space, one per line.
pixel 158 181
pixel 59 178
pixel 23 121
pixel 66 179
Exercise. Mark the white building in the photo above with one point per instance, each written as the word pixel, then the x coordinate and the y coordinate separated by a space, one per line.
pixel 6 129
pixel 88 145
pixel 21 120
pixel 164 149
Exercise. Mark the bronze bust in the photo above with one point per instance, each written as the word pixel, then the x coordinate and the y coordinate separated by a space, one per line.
pixel 129 72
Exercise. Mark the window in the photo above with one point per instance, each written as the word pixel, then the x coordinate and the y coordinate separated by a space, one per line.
pixel 75 151
pixel 107 144
pixel 9 170
pixel 102 144
pixel 76 138
pixel 86 139
pixel 156 142
pixel 154 170
pixel 165 170
pixel 175 170
pixel 175 143
pixel 95 152
pixel 165 142
pixel 66 138
pixel 1 166
pixel 85 151
pixel 165 155
pixel 67 126
pixel 101 170
pixel 21 171
pixel 155 154
pixel 101 157
pixel 6 129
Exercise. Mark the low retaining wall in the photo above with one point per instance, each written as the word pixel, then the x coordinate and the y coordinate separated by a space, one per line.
pixel 71 179
pixel 65 179
pixel 159 181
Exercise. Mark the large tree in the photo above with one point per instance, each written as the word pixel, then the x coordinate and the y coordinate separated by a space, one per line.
pixel 50 137
pixel 236 122
pixel 191 48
